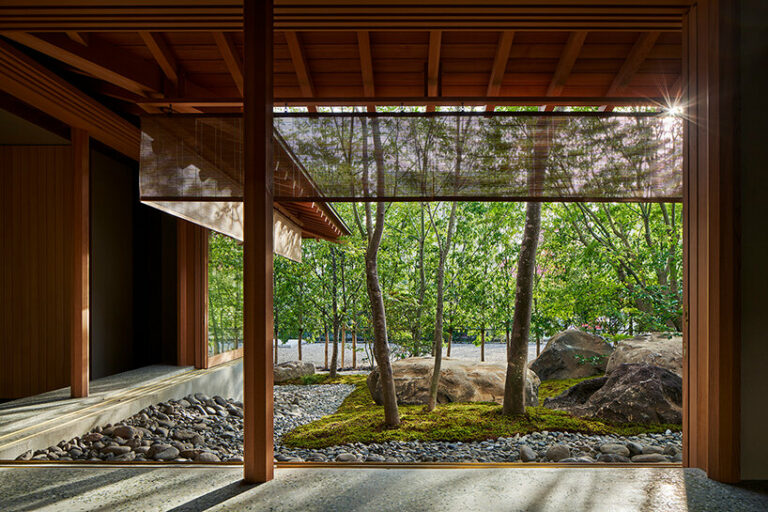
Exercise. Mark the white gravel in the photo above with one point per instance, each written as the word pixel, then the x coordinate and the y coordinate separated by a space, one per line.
pixel 315 353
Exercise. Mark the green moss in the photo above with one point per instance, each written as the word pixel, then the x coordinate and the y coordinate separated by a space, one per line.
pixel 359 419
pixel 552 388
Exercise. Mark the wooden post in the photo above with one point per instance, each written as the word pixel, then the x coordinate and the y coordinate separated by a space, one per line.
pixel 326 349
pixel 354 349
pixel 711 309
pixel 343 343
pixel 482 344
pixel 257 256
pixel 81 242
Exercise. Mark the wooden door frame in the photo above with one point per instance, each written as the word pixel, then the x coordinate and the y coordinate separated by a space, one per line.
pixel 711 330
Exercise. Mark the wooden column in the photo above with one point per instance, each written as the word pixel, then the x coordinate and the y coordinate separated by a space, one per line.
pixel 192 294
pixel 81 244
pixel 711 330
pixel 257 264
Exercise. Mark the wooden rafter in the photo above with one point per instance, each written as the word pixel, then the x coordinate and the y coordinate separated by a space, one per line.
pixel 231 57
pixel 78 37
pixel 433 65
pixel 637 55
pixel 366 62
pixel 22 77
pixel 100 60
pixel 499 64
pixel 565 64
pixel 158 47
pixel 300 66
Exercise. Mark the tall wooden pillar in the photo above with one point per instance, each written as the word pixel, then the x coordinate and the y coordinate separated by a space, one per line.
pixel 257 264
pixel 192 294
pixel 81 244
pixel 711 330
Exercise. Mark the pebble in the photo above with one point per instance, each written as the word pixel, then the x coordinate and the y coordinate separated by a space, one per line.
pixel 199 428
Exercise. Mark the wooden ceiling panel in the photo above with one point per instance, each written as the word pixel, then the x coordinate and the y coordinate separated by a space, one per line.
pixel 399 61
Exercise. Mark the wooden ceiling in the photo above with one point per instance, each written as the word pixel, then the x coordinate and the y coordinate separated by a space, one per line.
pixel 202 71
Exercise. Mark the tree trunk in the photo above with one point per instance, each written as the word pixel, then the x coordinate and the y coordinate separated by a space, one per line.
pixel 482 344
pixel 326 348
pixel 275 346
pixel 299 344
pixel 335 318
pixel 378 313
pixel 354 350
pixel 343 345
pixel 514 388
pixel 438 341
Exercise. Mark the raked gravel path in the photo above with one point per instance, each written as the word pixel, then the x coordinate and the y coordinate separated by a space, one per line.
pixel 198 428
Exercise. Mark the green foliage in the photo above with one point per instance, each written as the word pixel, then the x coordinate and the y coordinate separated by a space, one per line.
pixel 595 361
pixel 359 419
pixel 612 269
pixel 225 294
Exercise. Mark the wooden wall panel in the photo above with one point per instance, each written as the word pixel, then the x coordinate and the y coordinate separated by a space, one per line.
pixel 35 268
pixel 192 247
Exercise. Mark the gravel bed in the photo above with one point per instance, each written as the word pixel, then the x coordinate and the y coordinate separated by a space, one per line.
pixel 204 429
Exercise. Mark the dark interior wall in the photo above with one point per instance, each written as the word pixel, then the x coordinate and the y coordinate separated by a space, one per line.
pixel 133 300
pixel 754 239
pixel 112 275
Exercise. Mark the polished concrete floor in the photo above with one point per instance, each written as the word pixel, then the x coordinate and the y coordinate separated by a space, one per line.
pixel 344 489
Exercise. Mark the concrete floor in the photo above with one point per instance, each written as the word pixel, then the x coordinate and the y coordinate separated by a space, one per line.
pixel 352 489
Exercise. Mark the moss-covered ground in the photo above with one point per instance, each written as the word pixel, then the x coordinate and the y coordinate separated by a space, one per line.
pixel 359 419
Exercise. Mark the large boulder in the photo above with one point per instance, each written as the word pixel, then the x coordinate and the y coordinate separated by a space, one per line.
pixel 292 370
pixel 461 380
pixel 656 349
pixel 632 393
pixel 572 354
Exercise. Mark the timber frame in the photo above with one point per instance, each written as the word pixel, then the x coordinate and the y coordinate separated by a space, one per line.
pixel 215 56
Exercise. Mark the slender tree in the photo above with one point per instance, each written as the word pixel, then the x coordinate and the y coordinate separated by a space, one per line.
pixel 375 229
pixel 517 353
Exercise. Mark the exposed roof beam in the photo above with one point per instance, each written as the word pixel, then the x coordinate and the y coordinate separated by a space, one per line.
pixel 433 62
pixel 300 66
pixel 100 60
pixel 162 54
pixel 24 78
pixel 565 64
pixel 214 102
pixel 78 37
pixel 231 57
pixel 433 65
pixel 637 55
pixel 366 62
pixel 499 64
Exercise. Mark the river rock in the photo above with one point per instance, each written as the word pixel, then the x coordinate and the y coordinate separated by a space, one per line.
pixel 615 449
pixel 527 454
pixel 572 354
pixel 633 393
pixel 650 457
pixel 656 349
pixel 292 370
pixel 558 452
pixel 125 431
pixel 461 380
